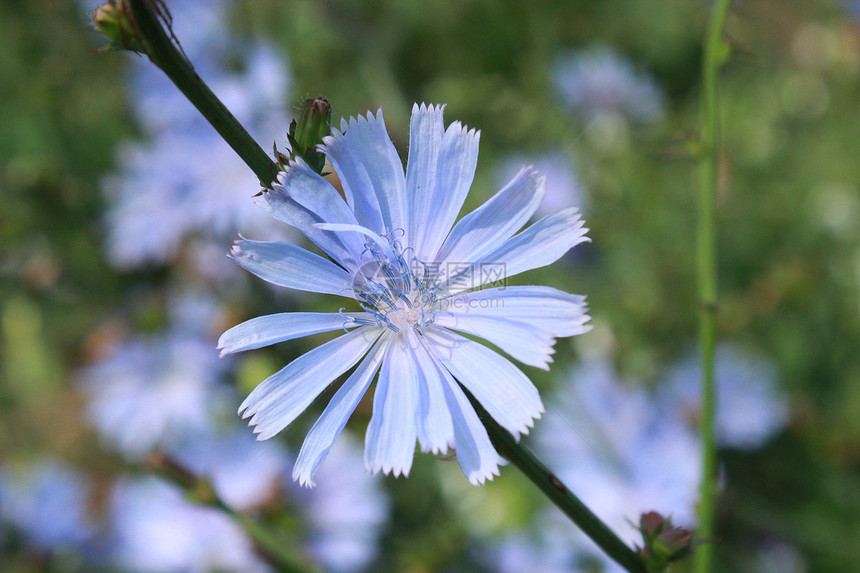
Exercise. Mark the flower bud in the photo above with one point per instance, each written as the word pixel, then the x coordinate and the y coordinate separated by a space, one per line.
pixel 111 20
pixel 674 543
pixel 664 543
pixel 651 524
pixel 313 124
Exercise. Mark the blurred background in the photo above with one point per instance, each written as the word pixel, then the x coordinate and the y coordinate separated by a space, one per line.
pixel 119 204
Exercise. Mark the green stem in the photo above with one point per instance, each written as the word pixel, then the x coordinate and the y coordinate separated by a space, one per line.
pixel 713 57
pixel 558 493
pixel 164 54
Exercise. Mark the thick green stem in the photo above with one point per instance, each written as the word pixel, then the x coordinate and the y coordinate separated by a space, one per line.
pixel 164 54
pixel 558 493
pixel 714 54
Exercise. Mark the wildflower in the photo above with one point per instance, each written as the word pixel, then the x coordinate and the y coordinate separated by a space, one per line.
pixel 597 82
pixel 346 514
pixel 149 393
pixel 751 410
pixel 343 517
pixel 646 459
pixel 154 528
pixel 394 251
pixel 46 502
pixel 243 473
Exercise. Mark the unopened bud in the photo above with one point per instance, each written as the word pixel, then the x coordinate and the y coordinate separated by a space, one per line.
pixel 313 124
pixel 664 543
pixel 674 544
pixel 651 524
pixel 111 19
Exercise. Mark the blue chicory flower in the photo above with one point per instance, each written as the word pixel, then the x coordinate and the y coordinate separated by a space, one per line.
pixel 347 513
pixel 343 517
pixel 154 392
pixel 47 502
pixel 646 459
pixel 154 528
pixel 395 250
pixel 598 81
pixel 751 410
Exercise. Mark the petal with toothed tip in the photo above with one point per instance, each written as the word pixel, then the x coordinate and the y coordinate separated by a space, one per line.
pixel 389 443
pixel 370 168
pixel 330 424
pixel 281 397
pixel 439 173
pixel 494 222
pixel 506 393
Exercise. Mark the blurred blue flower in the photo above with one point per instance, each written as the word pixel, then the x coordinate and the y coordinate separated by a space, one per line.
pixel 155 529
pixel 47 503
pixel 183 180
pixel 852 8
pixel 243 471
pixel 563 187
pixel 341 519
pixel 154 392
pixel 645 459
pixel 346 512
pixel 750 408
pixel 397 255
pixel 612 443
pixel 598 81
pixel 626 450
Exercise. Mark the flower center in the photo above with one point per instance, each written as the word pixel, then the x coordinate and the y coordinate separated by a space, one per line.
pixel 398 292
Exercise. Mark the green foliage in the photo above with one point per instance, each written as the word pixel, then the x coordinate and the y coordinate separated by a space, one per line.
pixel 788 221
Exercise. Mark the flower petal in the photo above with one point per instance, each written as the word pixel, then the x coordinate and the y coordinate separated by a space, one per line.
pixel 547 309
pixel 439 173
pixel 522 320
pixel 507 394
pixel 354 178
pixel 433 422
pixel 475 452
pixel 287 265
pixel 330 424
pixel 528 345
pixel 390 439
pixel 539 245
pixel 278 399
pixel 289 211
pixel 273 328
pixel 494 222
pixel 310 190
pixel 369 166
